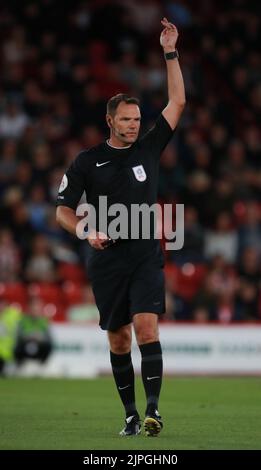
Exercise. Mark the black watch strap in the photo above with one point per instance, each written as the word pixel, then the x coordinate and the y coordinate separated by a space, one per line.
pixel 171 55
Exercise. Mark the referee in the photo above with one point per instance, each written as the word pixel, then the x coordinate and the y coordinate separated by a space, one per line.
pixel 127 276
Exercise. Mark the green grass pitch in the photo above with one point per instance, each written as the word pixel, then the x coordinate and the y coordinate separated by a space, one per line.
pixel 198 413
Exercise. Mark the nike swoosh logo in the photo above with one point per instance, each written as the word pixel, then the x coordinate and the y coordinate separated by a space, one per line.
pixel 122 388
pixel 151 378
pixel 129 419
pixel 101 164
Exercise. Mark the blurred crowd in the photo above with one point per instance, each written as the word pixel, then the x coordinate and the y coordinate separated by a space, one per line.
pixel 60 63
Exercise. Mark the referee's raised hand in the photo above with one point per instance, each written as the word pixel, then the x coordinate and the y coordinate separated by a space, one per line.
pixel 169 35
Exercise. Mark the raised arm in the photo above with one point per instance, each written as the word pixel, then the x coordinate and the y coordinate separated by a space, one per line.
pixel 176 90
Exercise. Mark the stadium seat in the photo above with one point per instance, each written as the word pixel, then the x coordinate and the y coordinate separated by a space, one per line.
pixel 55 312
pixel 48 292
pixel 72 293
pixel 71 272
pixel 14 293
pixel 185 280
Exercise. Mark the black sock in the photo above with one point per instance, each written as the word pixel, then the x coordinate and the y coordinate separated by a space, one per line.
pixel 151 370
pixel 123 373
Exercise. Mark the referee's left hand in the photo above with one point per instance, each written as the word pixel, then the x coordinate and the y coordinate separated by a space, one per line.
pixel 97 239
pixel 169 35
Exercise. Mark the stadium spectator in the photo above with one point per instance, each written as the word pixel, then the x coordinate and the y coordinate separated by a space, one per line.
pixel 12 121
pixel 193 248
pixel 9 319
pixel 249 232
pixel 8 161
pixel 40 265
pixel 222 240
pixel 10 259
pixel 33 336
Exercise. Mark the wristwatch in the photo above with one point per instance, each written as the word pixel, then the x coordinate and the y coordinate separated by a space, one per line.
pixel 171 55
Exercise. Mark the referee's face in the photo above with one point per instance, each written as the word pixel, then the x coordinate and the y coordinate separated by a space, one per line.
pixel 125 124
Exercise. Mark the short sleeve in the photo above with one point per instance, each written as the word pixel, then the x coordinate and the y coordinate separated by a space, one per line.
pixel 159 135
pixel 72 185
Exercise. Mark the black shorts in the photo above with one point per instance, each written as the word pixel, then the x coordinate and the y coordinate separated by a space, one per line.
pixel 127 278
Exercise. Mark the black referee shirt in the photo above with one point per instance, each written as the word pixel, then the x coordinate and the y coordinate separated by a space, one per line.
pixel 127 176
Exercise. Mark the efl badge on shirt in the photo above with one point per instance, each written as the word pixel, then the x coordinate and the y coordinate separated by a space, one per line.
pixel 139 173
